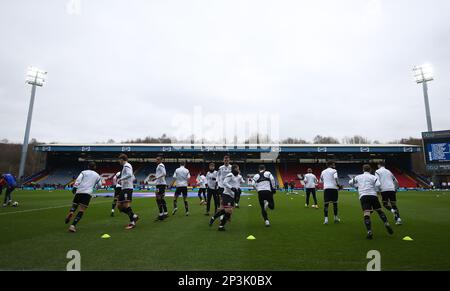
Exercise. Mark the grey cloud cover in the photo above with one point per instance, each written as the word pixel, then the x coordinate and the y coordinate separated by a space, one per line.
pixel 122 69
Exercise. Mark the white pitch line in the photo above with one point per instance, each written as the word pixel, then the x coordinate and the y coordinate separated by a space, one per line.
pixel 47 208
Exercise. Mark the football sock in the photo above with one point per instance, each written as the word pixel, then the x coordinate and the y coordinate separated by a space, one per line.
pixel 175 204
pixel 325 209
pixel 397 213
pixel 186 206
pixel 74 207
pixel 114 204
pixel 226 217
pixel 164 205
pixel 78 217
pixel 219 213
pixel 382 216
pixel 367 222
pixel 335 208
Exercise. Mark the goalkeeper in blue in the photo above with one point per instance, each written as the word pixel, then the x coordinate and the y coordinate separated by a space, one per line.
pixel 367 185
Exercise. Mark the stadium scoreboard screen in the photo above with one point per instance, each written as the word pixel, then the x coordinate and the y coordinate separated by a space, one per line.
pixel 437 151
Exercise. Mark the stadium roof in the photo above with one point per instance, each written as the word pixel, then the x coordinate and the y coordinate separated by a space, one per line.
pixel 288 148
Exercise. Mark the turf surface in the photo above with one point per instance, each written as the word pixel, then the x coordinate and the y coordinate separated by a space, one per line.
pixel 34 236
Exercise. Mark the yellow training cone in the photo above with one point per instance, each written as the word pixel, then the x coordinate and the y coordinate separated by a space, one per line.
pixel 251 237
pixel 106 236
pixel 407 238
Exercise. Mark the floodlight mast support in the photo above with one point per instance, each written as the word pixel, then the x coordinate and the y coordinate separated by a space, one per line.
pixel 423 79
pixel 38 81
pixel 427 106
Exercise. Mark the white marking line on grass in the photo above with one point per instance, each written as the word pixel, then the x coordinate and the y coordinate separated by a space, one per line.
pixel 47 208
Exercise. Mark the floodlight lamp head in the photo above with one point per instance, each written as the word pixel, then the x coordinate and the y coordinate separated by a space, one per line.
pixel 35 76
pixel 423 73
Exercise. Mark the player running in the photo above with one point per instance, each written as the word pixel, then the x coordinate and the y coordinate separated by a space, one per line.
pixel 11 183
pixel 126 195
pixel 231 183
pixel 161 184
pixel 264 183
pixel 329 178
pixel 310 181
pixel 117 190
pixel 389 186
pixel 211 185
pixel 182 177
pixel 367 185
pixel 83 188
pixel 224 170
pixel 201 183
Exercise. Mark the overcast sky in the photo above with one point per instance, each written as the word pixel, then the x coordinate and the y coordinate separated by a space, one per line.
pixel 126 69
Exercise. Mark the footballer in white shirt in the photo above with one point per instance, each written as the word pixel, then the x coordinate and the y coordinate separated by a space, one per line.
pixel 83 188
pixel 181 177
pixel 389 186
pixel 310 181
pixel 367 185
pixel 211 185
pixel 329 178
pixel 231 184
pixel 126 196
pixel 201 183
pixel 160 180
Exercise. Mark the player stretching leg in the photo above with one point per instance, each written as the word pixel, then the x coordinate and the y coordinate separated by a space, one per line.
pixel 211 185
pixel 389 186
pixel 126 195
pixel 201 183
pixel 367 185
pixel 264 184
pixel 310 181
pixel 329 178
pixel 160 179
pixel 117 190
pixel 231 183
pixel 182 177
pixel 83 189
pixel 10 181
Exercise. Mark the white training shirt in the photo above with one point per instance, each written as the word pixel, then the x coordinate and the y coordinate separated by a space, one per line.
pixel 387 179
pixel 181 176
pixel 231 181
pixel 222 173
pixel 160 175
pixel 127 176
pixel 87 181
pixel 367 184
pixel 310 181
pixel 115 181
pixel 201 180
pixel 211 178
pixel 328 177
pixel 266 184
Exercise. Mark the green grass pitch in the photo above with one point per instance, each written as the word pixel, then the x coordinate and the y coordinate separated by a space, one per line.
pixel 34 236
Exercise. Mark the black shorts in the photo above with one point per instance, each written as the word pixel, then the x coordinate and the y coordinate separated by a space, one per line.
pixel 160 191
pixel 389 196
pixel 181 191
pixel 227 201
pixel 82 199
pixel 126 195
pixel 201 190
pixel 117 191
pixel 370 202
pixel 330 195
pixel 310 191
